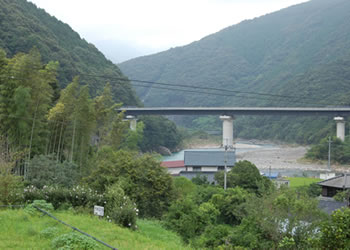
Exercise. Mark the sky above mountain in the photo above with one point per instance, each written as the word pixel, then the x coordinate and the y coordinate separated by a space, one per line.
pixel 126 29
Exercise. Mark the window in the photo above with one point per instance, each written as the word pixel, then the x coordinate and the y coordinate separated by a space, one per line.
pixel 197 168
pixel 221 168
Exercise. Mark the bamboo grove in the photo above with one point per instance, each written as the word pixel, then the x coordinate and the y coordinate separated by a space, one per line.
pixel 36 118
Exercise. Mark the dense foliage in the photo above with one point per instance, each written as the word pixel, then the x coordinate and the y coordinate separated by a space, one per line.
pixel 206 216
pixel 23 26
pixel 246 175
pixel 159 131
pixel 141 177
pixel 298 56
pixel 340 151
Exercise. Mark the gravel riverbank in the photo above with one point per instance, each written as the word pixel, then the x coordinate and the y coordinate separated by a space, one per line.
pixel 284 157
pixel 274 156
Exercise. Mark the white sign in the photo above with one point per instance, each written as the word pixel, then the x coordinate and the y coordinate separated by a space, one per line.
pixel 99 210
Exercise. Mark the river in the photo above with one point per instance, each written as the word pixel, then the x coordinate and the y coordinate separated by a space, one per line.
pixel 272 158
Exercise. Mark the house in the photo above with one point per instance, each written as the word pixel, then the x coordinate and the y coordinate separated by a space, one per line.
pixel 330 188
pixel 277 179
pixel 201 162
pixel 336 184
pixel 174 167
pixel 207 162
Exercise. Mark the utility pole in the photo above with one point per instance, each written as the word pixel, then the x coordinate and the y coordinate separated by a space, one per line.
pixel 329 152
pixel 225 171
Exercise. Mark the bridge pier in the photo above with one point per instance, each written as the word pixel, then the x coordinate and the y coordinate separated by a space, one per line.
pixel 340 127
pixel 133 122
pixel 227 131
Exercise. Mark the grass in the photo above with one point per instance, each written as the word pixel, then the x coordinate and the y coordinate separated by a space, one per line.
pixel 301 181
pixel 19 230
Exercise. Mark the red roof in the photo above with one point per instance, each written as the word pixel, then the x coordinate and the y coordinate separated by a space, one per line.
pixel 173 164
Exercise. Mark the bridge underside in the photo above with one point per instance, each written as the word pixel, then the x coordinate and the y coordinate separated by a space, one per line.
pixel 234 111
pixel 227 114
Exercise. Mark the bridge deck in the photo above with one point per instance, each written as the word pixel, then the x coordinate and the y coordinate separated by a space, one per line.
pixel 234 111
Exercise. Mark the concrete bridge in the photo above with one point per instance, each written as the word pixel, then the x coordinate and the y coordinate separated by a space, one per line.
pixel 227 114
pixel 232 111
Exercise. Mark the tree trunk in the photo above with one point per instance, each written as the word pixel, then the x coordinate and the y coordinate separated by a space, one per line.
pixel 31 140
pixel 72 152
pixel 59 143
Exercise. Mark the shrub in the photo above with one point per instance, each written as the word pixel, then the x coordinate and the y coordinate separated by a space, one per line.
pixel 11 187
pixel 74 241
pixel 189 220
pixel 31 208
pixel 78 196
pixel 120 208
pixel 335 234
pixel 141 177
pixel 214 236
pixel 49 232
pixel 46 171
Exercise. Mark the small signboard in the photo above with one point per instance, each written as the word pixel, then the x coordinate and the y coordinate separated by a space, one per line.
pixel 99 211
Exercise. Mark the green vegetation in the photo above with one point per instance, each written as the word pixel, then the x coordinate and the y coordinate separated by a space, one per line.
pixel 24 26
pixel 301 181
pixel 340 151
pixel 21 230
pixel 273 54
pixel 69 149
pixel 251 214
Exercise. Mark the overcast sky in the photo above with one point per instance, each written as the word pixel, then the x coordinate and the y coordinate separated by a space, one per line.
pixel 133 28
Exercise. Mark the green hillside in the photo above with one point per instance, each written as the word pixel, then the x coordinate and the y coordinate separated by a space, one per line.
pixel 22 230
pixel 301 53
pixel 23 26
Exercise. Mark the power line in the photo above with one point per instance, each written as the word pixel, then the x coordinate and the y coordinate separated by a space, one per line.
pixel 228 95
pixel 198 87
pixel 291 99
pixel 186 86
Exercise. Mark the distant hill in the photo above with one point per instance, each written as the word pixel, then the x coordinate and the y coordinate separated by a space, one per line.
pixel 302 51
pixel 23 26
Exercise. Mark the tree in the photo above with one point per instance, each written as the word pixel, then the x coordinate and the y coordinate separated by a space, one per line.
pixel 60 116
pixel 230 204
pixel 11 185
pixel 188 219
pixel 282 217
pixel 46 171
pixel 159 131
pixel 246 175
pixel 26 95
pixel 335 233
pixel 140 176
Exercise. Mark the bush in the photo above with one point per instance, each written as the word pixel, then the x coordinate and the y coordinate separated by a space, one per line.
pixel 31 208
pixel 46 171
pixel 189 220
pixel 77 196
pixel 11 187
pixel 335 234
pixel 141 177
pixel 74 241
pixel 49 232
pixel 119 208
pixel 213 236
pixel 246 175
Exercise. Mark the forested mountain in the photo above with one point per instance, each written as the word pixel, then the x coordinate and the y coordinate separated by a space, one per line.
pixel 299 56
pixel 24 26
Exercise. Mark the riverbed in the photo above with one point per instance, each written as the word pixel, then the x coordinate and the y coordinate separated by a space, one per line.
pixel 276 158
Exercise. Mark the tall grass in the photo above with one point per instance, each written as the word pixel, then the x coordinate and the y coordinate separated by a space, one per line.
pixel 19 230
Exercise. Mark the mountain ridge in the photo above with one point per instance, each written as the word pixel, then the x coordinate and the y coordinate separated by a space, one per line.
pixel 270 54
pixel 24 26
